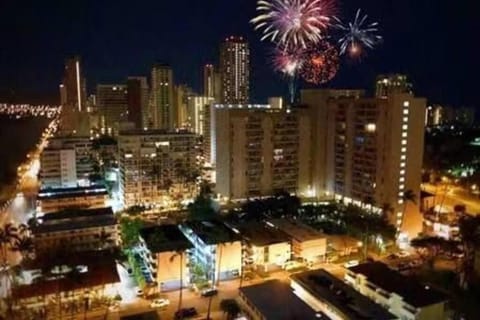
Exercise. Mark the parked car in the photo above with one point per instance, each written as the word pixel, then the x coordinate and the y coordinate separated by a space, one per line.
pixel 186 313
pixel 160 303
pixel 209 292
pixel 139 292
pixel 351 263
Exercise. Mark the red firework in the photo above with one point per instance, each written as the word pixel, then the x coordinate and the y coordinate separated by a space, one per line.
pixel 321 64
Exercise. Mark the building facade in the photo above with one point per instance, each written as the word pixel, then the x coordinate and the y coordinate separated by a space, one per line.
pixel 402 296
pixel 58 168
pixel 112 106
pixel 153 165
pixel 235 70
pixel 367 148
pixel 162 97
pixel 137 102
pixel 392 84
pixel 259 151
pixel 52 200
pixel 197 107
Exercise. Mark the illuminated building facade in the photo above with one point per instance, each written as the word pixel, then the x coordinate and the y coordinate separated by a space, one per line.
pixel 163 112
pixel 392 83
pixel 368 148
pixel 197 107
pixel 259 151
pixel 235 70
pixel 153 165
pixel 112 106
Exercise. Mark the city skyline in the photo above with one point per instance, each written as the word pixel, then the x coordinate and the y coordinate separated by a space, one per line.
pixel 410 38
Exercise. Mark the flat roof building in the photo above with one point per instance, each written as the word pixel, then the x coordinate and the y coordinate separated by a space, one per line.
pixel 324 292
pixel 275 300
pixel 307 243
pixel 91 197
pixel 401 295
pixel 82 230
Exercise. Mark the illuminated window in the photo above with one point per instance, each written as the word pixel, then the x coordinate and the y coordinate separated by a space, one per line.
pixel 371 127
pixel 406 104
pixel 405 111
pixel 404 142
pixel 402 172
pixel 402 165
pixel 403 157
pixel 402 179
pixel 402 186
pixel 405 127
pixel 404 149
pixel 400 201
pixel 404 135
pixel 405 119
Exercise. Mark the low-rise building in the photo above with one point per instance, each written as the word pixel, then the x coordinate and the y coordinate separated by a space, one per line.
pixel 165 249
pixel 216 248
pixel 79 279
pixel 307 243
pixel 91 197
pixel 330 295
pixel 401 295
pixel 79 230
pixel 275 300
pixel 265 247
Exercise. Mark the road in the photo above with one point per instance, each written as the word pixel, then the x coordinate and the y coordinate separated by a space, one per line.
pixel 448 195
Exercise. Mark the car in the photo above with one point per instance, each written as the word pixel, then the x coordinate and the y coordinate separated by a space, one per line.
pixel 160 303
pixel 139 292
pixel 351 263
pixel 186 313
pixel 209 292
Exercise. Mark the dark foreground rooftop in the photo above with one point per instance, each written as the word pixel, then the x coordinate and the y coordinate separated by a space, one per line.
pixel 164 238
pixel 412 291
pixel 260 234
pixel 276 301
pixel 212 231
pixel 342 298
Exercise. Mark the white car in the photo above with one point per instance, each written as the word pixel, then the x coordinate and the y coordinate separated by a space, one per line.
pixel 351 263
pixel 160 303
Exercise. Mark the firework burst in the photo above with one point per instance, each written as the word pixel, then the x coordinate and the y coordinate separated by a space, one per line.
pixel 321 64
pixel 358 35
pixel 293 23
pixel 288 61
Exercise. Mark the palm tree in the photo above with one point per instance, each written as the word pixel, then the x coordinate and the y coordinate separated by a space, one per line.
pixel 408 196
pixel 179 254
pixel 24 245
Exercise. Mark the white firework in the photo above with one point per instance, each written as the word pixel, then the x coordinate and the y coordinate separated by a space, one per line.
pixel 293 22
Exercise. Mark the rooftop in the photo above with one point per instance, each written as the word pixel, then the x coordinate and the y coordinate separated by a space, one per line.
pixel 261 234
pixel 212 231
pixel 340 296
pixel 100 271
pixel 164 238
pixel 72 219
pixel 276 301
pixel 150 132
pixel 412 291
pixel 297 230
pixel 59 193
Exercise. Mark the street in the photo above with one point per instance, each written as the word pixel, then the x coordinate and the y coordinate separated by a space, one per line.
pixel 448 195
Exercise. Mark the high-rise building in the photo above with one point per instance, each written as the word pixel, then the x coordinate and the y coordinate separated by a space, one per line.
pixel 137 101
pixel 197 107
pixel 235 71
pixel 73 91
pixel 261 150
pixel 181 96
pixel 67 162
pixel 73 98
pixel 153 165
pixel 367 148
pixel 392 83
pixel 162 97
pixel 209 80
pixel 112 105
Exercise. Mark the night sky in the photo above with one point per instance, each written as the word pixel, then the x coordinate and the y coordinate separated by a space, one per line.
pixel 435 42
